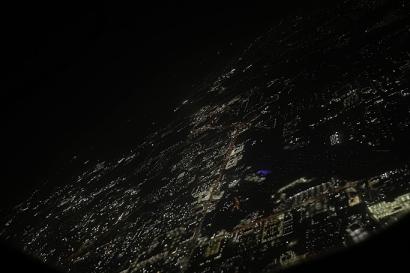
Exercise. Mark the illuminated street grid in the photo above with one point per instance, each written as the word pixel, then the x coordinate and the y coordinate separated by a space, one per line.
pixel 290 153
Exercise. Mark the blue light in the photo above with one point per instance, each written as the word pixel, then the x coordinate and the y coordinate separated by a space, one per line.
pixel 263 172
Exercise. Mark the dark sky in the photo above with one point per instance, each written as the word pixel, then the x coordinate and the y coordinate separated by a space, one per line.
pixel 85 75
